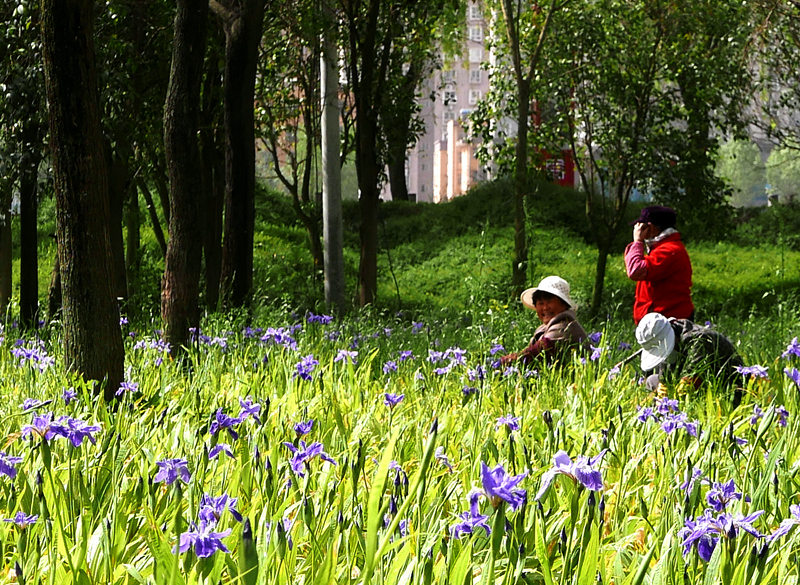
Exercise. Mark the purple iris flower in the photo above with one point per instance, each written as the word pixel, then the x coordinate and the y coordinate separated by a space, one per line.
pixel 392 400
pixel 248 409
pixel 279 336
pixel 442 458
pixel 389 367
pixel 321 319
pixel 478 373
pixel 303 427
pixel 471 520
pixel 688 485
pixel 21 519
pixel 8 464
pixel 68 395
pixel 613 372
pixel 305 367
pixel 787 524
pixel 793 349
pixel 406 354
pixel 583 470
pixel 499 486
pixel 456 355
pixel 346 356
pixel 211 508
pixel 758 413
pixel 496 348
pixel 756 371
pixel 417 326
pixel 596 353
pixel 595 337
pixel 794 375
pixel 624 346
pixel 171 470
pixel 783 415
pixel 223 421
pixel 220 448
pixel 30 403
pixel 204 540
pixel 303 454
pixel 77 430
pixel 667 406
pixel 721 494
pixel 129 387
pixel 511 422
pixel 705 531
pixel 645 413
pixel 435 356
pixel 469 390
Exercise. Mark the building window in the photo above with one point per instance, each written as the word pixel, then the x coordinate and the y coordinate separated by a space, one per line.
pixel 474 96
pixel 475 76
pixel 474 12
pixel 475 33
pixel 449 97
pixel 448 76
pixel 475 54
pixel 449 116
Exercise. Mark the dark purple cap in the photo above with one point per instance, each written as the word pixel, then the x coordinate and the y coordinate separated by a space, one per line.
pixel 663 217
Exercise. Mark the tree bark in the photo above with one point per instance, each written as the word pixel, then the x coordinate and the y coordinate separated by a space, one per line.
pixel 519 270
pixel 5 253
pixel 92 338
pixel 28 243
pixel 181 281
pixel 332 230
pixel 243 28
pixel 118 179
pixel 54 297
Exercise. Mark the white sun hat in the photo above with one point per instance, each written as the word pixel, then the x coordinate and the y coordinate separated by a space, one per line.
pixel 555 285
pixel 657 339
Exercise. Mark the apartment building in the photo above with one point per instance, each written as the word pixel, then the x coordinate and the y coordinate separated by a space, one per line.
pixel 442 164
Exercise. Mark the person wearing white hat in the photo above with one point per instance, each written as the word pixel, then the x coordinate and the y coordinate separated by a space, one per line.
pixel 559 331
pixel 680 351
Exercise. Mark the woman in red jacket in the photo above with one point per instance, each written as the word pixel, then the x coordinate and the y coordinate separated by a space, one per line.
pixel 657 260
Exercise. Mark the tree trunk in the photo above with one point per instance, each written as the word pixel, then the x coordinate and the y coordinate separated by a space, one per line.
pixel 118 179
pixel 180 284
pixel 603 248
pixel 92 338
pixel 397 173
pixel 213 176
pixel 28 244
pixel 54 298
pixel 153 214
pixel 332 229
pixel 242 36
pixel 133 222
pixel 5 252
pixel 519 270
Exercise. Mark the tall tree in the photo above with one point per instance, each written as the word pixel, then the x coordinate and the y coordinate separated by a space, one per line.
pixel 331 166
pixel 92 337
pixel 180 285
pixel 526 29
pixel 23 129
pixel 242 21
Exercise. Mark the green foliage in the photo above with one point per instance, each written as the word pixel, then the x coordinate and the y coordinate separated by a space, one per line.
pixel 739 164
pixel 783 173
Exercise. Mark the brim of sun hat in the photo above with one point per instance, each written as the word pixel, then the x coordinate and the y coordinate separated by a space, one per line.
pixel 656 355
pixel 527 297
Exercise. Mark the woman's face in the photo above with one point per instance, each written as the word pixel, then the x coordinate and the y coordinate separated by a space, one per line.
pixel 548 306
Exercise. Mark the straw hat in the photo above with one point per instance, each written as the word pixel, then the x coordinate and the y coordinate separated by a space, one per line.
pixel 555 285
pixel 657 339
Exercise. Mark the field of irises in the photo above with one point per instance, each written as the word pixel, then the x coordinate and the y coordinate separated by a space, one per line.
pixel 313 450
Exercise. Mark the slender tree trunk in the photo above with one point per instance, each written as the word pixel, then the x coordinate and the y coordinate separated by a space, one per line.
pixel 92 338
pixel 603 249
pixel 519 270
pixel 5 253
pixel 213 176
pixel 331 172
pixel 397 173
pixel 242 36
pixel 133 222
pixel 153 214
pixel 29 245
pixel 180 284
pixel 118 179
pixel 54 297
